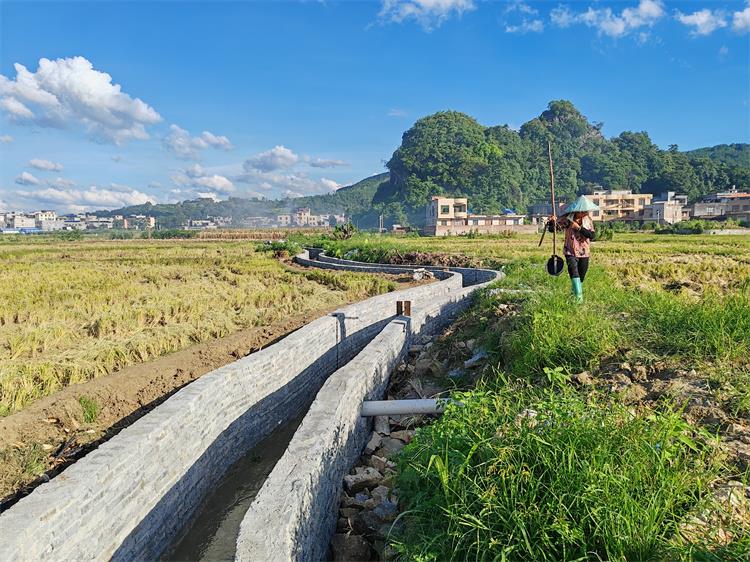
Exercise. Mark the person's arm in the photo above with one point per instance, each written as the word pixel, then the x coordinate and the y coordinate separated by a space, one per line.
pixel 587 233
pixel 561 224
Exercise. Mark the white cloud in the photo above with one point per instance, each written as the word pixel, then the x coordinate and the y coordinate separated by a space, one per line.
pixel 91 198
pixel 325 163
pixel 195 178
pixel 330 184
pixel 275 159
pixel 703 22
pixel 186 147
pixel 609 23
pixel 741 19
pixel 215 141
pixel 280 183
pixel 195 171
pixel 395 112
pixel 61 182
pixel 427 13
pixel 116 158
pixel 521 7
pixel 66 92
pixel 26 179
pixel 219 183
pixel 14 107
pixel 45 165
pixel 526 26
pixel 6 139
pixel 723 51
pixel 562 17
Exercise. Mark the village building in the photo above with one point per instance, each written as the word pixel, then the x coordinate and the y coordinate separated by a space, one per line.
pixel 45 215
pixel 617 204
pixel 540 212
pixel 665 208
pixel 302 217
pixel 732 204
pixel 449 215
pixel 22 221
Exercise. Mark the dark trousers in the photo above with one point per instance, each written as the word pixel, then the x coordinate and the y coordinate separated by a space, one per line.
pixel 577 267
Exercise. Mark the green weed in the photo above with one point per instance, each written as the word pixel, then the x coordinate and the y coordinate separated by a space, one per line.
pixel 522 474
pixel 90 409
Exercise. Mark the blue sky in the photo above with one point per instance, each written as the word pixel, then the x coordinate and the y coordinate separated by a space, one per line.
pixel 123 102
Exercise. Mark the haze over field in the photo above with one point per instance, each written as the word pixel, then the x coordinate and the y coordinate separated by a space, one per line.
pixel 265 99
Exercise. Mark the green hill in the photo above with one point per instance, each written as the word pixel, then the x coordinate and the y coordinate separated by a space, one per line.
pixel 737 154
pixel 496 167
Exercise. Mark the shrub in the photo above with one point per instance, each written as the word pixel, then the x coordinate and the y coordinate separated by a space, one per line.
pixel 280 248
pixel 121 235
pixel 170 233
pixel 344 231
pixel 69 235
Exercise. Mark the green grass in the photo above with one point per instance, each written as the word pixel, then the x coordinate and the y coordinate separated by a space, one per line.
pixel 90 409
pixel 578 480
pixel 552 332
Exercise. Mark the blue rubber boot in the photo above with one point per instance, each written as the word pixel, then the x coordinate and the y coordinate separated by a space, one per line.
pixel 577 289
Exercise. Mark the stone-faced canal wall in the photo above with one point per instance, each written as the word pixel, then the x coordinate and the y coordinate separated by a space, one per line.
pixel 294 514
pixel 131 497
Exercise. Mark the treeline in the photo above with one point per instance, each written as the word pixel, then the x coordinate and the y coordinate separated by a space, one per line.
pixel 497 167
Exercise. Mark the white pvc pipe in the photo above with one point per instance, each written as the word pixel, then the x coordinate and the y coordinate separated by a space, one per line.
pixel 399 407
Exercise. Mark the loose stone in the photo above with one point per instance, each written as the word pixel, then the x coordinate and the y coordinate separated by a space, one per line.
pixel 363 477
pixel 352 548
pixel 373 444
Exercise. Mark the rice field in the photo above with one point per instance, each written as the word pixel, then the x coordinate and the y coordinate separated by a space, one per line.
pixel 73 311
pixel 689 263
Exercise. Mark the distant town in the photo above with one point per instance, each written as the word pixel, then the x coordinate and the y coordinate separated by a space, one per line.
pixel 444 215
pixel 47 220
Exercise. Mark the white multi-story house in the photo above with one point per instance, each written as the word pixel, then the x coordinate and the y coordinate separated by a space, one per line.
pixel 51 225
pixel 450 215
pixel 23 221
pixel 45 215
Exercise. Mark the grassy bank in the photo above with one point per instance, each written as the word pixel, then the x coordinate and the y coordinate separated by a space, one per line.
pixel 537 465
pixel 520 474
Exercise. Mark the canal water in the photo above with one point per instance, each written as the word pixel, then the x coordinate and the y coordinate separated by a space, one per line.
pixel 212 535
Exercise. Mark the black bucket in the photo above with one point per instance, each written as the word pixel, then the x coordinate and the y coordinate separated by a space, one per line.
pixel 555 265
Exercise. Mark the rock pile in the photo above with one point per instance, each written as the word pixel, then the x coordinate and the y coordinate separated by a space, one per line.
pixel 369 503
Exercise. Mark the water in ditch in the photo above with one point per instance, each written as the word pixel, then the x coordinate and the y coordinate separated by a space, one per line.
pixel 213 532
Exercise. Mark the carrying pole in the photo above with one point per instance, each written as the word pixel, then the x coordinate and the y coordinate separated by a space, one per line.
pixel 552 192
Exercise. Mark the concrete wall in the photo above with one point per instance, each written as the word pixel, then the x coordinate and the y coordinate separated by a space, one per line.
pixel 131 497
pixel 294 514
pixel 470 276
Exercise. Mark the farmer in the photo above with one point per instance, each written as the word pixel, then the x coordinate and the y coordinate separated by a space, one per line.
pixel 579 232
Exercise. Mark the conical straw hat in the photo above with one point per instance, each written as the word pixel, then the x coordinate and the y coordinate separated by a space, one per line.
pixel 580 205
